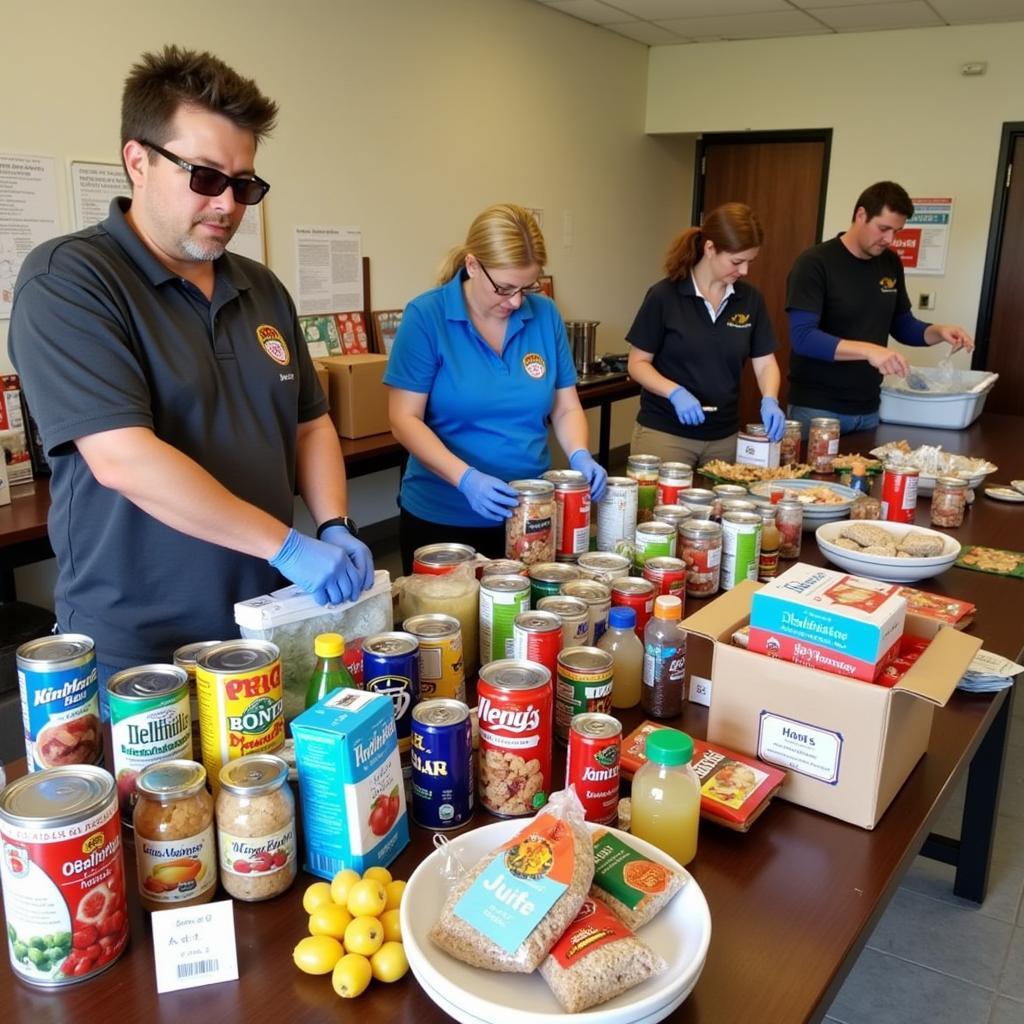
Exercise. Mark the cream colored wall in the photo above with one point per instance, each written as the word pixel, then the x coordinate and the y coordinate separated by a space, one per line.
pixel 898 107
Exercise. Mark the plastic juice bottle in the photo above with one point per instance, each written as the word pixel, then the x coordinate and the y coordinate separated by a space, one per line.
pixel 771 539
pixel 622 643
pixel 858 478
pixel 666 796
pixel 664 659
pixel 329 673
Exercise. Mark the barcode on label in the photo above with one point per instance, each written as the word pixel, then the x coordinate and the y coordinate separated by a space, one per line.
pixel 323 864
pixel 194 967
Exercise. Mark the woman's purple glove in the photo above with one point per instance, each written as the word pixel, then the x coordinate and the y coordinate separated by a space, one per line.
pixel 687 407
pixel 597 476
pixel 487 495
pixel 773 418
pixel 355 549
pixel 323 570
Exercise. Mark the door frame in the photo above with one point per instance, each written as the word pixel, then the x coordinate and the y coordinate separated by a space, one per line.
pixel 1012 130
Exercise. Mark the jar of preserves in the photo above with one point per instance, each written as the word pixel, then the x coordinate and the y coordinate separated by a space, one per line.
pixel 789 519
pixel 866 507
pixel 175 847
pixel 530 530
pixel 644 469
pixel 789 446
pixel 823 444
pixel 701 542
pixel 949 500
pixel 256 828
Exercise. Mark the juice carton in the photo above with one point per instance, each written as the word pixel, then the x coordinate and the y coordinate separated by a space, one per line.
pixel 350 783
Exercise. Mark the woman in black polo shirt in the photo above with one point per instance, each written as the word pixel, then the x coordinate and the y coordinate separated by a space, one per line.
pixel 690 339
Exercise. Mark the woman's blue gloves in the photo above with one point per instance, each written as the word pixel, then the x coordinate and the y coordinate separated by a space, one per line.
pixel 773 418
pixel 687 407
pixel 597 476
pixel 487 495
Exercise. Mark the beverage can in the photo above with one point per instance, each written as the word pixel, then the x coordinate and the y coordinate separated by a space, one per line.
pixel 592 764
pixel 537 636
pixel 391 666
pixel 442 764
pixel 574 615
pixel 442 672
pixel 598 598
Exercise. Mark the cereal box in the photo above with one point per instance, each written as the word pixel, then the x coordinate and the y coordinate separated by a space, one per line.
pixel 350 782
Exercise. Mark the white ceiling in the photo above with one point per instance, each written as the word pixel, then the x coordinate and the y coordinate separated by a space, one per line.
pixel 670 22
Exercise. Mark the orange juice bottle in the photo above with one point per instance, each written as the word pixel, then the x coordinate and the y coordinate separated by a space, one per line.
pixel 666 796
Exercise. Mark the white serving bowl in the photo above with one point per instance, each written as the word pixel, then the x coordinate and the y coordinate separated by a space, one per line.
pixel 926 484
pixel 814 514
pixel 879 567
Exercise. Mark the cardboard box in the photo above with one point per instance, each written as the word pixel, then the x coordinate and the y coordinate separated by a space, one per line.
pixel 359 400
pixel 324 377
pixel 5 487
pixel 847 746
pixel 757 450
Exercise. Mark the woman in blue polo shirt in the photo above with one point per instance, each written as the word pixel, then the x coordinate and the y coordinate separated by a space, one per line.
pixel 479 368
pixel 690 339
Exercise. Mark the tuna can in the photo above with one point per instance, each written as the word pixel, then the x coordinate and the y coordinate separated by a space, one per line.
pixel 185 657
pixel 514 709
pixel 702 553
pixel 592 765
pixel 439 559
pixel 442 764
pixel 598 598
pixel 669 577
pixel 63 875
pixel 574 615
pixel 60 701
pixel 537 636
pixel 603 566
pixel 502 598
pixel 500 567
pixel 644 470
pixel 899 493
pixel 442 673
pixel 391 665
pixel 584 685
pixel 741 547
pixel 572 513
pixel 150 721
pixel 241 702
pixel 674 478
pixel 637 594
pixel 547 578
pixel 617 512
pixel 653 540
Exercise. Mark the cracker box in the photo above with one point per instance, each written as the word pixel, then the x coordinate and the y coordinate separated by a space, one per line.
pixel 826 619
pixel 350 783
pixel 757 450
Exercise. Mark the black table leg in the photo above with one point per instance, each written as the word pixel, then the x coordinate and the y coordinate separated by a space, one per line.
pixel 605 434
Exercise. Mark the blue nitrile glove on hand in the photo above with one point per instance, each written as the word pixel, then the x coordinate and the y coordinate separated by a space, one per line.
pixel 773 418
pixel 323 570
pixel 355 549
pixel 597 476
pixel 487 495
pixel 687 407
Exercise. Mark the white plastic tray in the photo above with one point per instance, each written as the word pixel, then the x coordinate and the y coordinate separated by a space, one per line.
pixel 925 409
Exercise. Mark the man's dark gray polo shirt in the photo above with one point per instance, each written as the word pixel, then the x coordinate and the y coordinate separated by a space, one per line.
pixel 104 337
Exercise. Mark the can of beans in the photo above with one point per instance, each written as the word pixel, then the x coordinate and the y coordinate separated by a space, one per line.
pixel 603 566
pixel 547 579
pixel 638 594
pixel 584 684
pixel 572 513
pixel 617 512
pixel 502 598
pixel 668 575
pixel 653 540
pixel 150 720
pixel 899 493
pixel 701 542
pixel 500 567
pixel 442 673
pixel 514 709
pixel 598 598
pixel 537 636
pixel 185 657
pixel 741 547
pixel 674 478
pixel 391 665
pixel 439 559
pixel 574 616
pixel 442 764
pixel 63 875
pixel 592 765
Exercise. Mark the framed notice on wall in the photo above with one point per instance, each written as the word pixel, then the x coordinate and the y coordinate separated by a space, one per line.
pixel 924 241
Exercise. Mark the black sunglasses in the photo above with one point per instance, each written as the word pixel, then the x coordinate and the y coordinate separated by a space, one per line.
pixel 208 181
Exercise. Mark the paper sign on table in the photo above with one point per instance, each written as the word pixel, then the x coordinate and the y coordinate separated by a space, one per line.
pixel 194 946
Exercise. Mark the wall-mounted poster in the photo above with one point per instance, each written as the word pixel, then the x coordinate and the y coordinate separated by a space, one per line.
pixel 352 333
pixel 924 241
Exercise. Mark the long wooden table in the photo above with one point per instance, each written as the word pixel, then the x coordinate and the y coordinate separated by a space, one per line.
pixel 792 902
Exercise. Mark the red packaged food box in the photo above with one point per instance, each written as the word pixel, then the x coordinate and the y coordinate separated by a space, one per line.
pixel 735 789
pixel 948 610
pixel 911 648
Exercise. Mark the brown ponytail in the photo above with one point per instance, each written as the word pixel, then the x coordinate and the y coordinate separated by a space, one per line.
pixel 731 227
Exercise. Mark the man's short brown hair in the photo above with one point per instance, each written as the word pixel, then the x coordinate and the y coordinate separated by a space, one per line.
pixel 884 194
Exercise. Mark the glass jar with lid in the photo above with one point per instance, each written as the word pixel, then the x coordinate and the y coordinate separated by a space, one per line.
pixel 823 443
pixel 530 530
pixel 175 846
pixel 789 446
pixel 949 501
pixel 789 518
pixel 256 828
pixel 701 550
pixel 644 469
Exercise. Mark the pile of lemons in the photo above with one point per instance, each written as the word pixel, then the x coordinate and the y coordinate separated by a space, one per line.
pixel 354 931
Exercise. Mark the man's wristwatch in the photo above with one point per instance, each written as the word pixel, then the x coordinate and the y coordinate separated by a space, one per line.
pixel 349 524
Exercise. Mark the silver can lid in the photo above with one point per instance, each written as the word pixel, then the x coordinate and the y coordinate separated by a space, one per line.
pixel 585 659
pixel 238 656
pixel 143 682
pixel 185 656
pixel 566 479
pixel 620 481
pixel 48 653
pixel 513 674
pixel 537 622
pixel 432 625
pixel 595 725
pixel 632 585
pixel 505 584
pixel 444 554
pixel 56 796
pixel 171 780
pixel 563 606
pixel 254 774
pixel 553 572
pixel 700 529
pixel 393 642
pixel 587 590
pixel 440 711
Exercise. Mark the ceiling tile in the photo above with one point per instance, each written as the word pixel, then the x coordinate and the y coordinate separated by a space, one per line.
pixel 869 17
pixel 973 12
pixel 812 5
pixel 752 26
pixel 645 32
pixel 663 10
pixel 588 10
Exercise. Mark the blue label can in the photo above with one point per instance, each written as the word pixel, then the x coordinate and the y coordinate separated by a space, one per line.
pixel 60 701
pixel 391 665
pixel 442 764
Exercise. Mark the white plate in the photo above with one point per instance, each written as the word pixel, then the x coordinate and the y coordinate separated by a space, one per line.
pixel 681 933
pixel 879 567
pixel 1017 485
pixel 814 515
pixel 1006 493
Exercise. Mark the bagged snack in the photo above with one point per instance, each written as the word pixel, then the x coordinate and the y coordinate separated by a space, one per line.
pixel 631 885
pixel 509 909
pixel 596 959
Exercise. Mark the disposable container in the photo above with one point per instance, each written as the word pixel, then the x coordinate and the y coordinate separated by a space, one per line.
pixel 936 409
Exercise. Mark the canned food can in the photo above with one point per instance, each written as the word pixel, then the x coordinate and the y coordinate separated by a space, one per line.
pixel 899 493
pixel 500 567
pixel 598 598
pixel 584 684
pixel 736 505
pixel 63 875
pixel 185 657
pixel 514 709
pixel 702 552
pixel 637 594
pixel 537 636
pixel 442 672
pixel 391 665
pixel 150 721
pixel 644 470
pixel 60 701
pixel 674 514
pixel 592 765
pixel 442 764
pixel 673 479
pixel 439 559
pixel 617 512
pixel 547 579
pixel 699 496
pixel 574 615
pixel 653 540
pixel 241 702
pixel 603 566
pixel 572 513
pixel 741 547
pixel 669 577
pixel 502 598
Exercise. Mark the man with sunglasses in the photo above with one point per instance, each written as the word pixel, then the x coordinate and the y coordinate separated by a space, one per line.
pixel 173 390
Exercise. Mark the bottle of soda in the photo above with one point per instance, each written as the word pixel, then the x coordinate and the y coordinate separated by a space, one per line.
pixel 664 659
pixel 329 673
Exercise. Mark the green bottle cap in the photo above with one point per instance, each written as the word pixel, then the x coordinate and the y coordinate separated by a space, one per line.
pixel 669 746
pixel 329 645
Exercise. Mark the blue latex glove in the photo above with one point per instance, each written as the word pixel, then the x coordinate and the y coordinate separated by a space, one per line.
pixel 687 407
pixel 355 549
pixel 773 418
pixel 487 495
pixel 597 476
pixel 323 570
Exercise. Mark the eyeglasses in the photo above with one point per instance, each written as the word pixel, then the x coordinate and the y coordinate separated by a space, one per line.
pixel 506 291
pixel 208 181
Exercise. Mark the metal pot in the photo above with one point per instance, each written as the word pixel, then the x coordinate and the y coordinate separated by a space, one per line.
pixel 583 343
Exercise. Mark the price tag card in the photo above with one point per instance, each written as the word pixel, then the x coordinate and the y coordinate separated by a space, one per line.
pixel 194 946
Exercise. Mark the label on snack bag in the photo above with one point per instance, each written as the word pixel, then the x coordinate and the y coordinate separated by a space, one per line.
pixel 625 873
pixel 520 885
pixel 593 927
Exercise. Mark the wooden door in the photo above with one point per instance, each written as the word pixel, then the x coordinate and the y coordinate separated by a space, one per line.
pixel 782 177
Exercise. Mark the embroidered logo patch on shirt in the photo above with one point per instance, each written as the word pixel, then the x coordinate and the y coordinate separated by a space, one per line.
pixel 738 320
pixel 273 344
pixel 887 284
pixel 534 365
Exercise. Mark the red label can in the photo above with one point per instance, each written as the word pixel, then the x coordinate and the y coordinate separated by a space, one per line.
pixel 440 559
pixel 572 513
pixel 538 636
pixel 669 577
pixel 515 711
pixel 595 746
pixel 899 493
pixel 637 594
